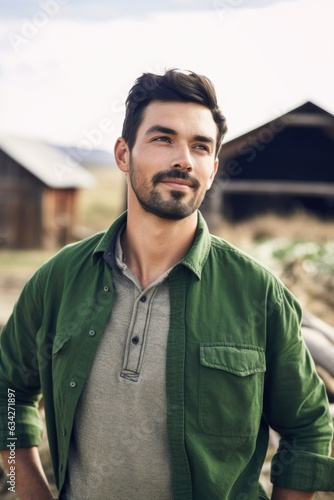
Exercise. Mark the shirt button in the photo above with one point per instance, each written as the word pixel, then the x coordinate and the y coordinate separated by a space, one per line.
pixel 73 384
pixel 64 432
pixel 143 298
pixel 135 340
pixel 92 333
pixel 106 288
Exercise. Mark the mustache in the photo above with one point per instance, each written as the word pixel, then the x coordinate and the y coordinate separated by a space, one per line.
pixel 175 174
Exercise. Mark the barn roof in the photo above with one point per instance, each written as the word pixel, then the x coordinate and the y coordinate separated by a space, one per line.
pixel 305 115
pixel 53 167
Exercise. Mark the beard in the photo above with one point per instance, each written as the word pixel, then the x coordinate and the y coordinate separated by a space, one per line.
pixel 152 201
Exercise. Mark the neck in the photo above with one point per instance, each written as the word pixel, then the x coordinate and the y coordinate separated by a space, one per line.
pixel 153 245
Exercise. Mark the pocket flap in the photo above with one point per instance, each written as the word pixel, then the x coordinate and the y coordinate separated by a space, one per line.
pixel 240 360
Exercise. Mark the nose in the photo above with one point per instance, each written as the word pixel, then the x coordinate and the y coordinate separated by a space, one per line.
pixel 182 159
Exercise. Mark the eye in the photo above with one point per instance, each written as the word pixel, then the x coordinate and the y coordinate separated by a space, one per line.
pixel 162 138
pixel 202 147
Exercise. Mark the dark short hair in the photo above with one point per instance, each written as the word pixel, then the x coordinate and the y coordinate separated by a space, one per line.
pixel 174 85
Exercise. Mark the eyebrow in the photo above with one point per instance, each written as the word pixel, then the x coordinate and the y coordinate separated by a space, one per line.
pixel 171 131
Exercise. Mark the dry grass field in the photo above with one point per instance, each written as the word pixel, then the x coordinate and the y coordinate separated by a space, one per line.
pixel 300 249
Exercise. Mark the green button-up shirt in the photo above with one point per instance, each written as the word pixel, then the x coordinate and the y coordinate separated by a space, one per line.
pixel 236 364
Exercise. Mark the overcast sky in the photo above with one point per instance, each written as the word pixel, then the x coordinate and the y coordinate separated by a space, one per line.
pixel 100 9
pixel 67 65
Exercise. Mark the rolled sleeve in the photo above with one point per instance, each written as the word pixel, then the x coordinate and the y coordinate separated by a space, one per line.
pixel 302 470
pixel 28 425
pixel 19 373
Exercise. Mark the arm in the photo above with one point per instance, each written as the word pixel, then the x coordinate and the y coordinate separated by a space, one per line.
pixel 296 407
pixel 30 479
pixel 287 494
pixel 20 418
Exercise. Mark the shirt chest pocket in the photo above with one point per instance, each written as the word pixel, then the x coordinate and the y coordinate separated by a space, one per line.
pixel 231 382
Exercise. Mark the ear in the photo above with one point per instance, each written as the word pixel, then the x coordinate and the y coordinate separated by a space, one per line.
pixel 213 174
pixel 122 154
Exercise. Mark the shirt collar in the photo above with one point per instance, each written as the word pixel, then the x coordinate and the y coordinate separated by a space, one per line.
pixel 108 240
pixel 193 260
pixel 199 250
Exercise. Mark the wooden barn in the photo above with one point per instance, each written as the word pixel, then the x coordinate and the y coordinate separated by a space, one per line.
pixel 282 166
pixel 38 194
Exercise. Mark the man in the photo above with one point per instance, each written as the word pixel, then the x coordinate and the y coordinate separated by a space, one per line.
pixel 162 352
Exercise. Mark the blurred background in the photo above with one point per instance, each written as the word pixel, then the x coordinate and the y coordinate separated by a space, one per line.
pixel 66 67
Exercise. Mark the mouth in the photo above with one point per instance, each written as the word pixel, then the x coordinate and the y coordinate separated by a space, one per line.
pixel 177 183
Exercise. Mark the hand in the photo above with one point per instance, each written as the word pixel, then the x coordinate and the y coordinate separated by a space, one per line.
pixel 288 494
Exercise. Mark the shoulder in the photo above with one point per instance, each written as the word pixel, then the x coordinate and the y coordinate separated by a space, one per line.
pixel 86 251
pixel 70 260
pixel 79 250
pixel 243 269
pixel 223 251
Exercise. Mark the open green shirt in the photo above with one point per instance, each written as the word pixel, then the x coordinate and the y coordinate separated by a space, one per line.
pixel 236 364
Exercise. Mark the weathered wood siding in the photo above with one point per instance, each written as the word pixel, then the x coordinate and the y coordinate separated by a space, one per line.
pixel 33 215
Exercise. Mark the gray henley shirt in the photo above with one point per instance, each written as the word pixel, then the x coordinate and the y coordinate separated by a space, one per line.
pixel 119 447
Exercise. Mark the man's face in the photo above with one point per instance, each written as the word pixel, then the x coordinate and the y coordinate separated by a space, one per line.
pixel 173 163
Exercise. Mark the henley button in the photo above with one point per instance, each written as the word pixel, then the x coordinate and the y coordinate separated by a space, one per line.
pixel 135 340
pixel 143 298
pixel 73 384
pixel 92 333
pixel 64 432
pixel 106 288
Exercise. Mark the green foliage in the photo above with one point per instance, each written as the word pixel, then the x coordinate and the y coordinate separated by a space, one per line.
pixel 316 257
